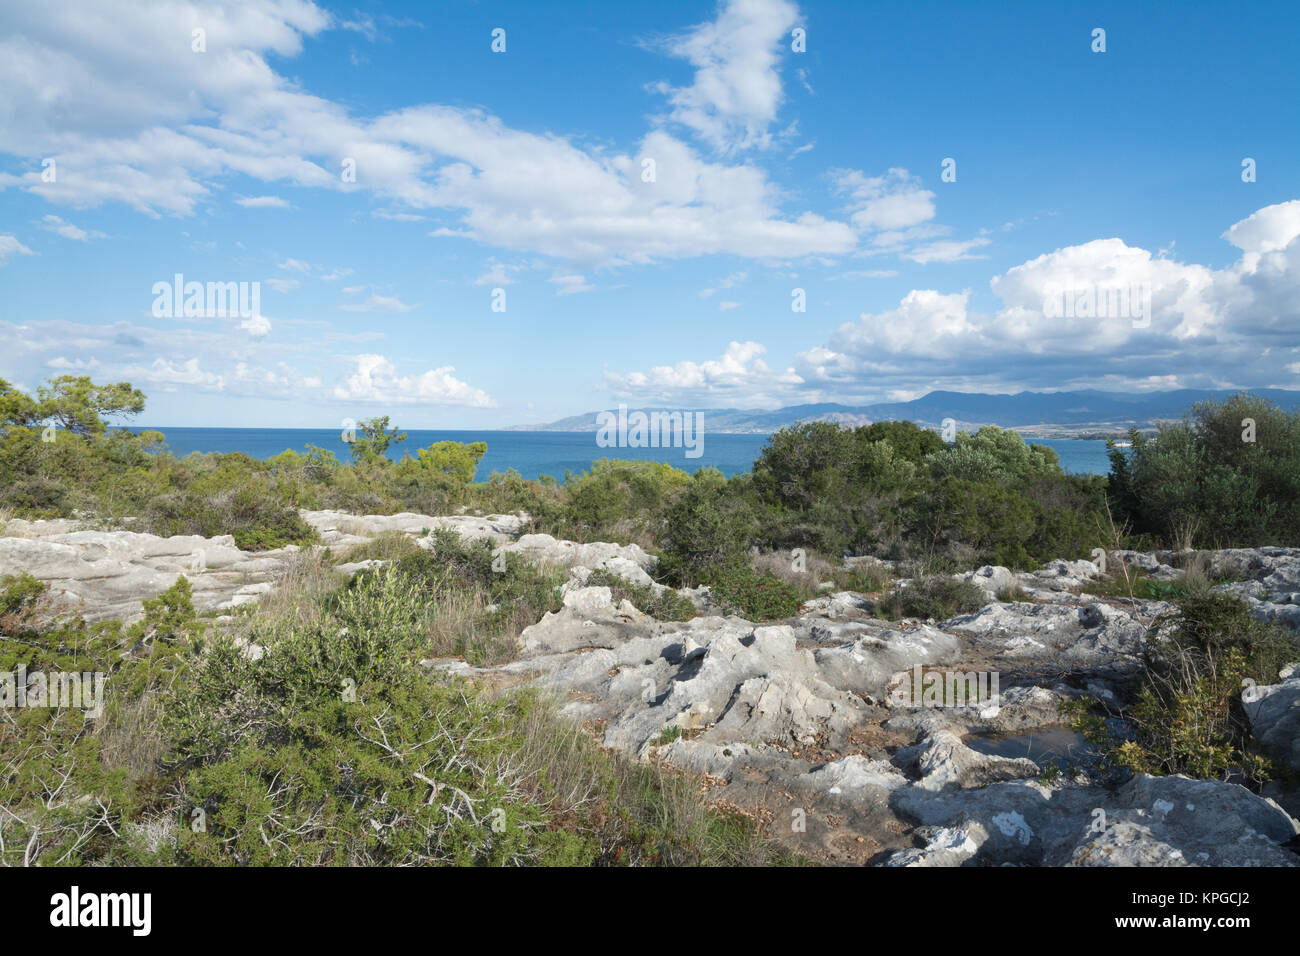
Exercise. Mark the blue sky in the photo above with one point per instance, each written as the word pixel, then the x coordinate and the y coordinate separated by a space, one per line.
pixel 522 171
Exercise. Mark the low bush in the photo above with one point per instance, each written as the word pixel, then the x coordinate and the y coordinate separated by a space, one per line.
pixel 755 595
pixel 667 605
pixel 935 596
pixel 1187 716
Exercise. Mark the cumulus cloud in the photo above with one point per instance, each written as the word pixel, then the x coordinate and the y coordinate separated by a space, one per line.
pixel 739 374
pixel 376 380
pixel 1133 317
pixel 894 213
pixel 169 375
pixel 256 325
pixel 895 200
pixel 1129 313
pixel 157 132
pixel 736 92
pixel 1267 230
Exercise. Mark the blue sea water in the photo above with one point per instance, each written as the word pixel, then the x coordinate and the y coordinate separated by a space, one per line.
pixel 538 453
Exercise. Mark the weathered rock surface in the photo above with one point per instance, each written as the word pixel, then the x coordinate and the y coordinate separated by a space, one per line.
pixel 107 574
pixel 1274 715
pixel 801 720
pixel 1269 580
pixel 340 529
pixel 104 574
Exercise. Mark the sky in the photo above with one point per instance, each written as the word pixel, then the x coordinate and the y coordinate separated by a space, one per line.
pixel 473 215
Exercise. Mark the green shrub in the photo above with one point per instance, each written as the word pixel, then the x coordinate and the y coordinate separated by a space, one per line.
pixel 1206 625
pixel 1208 481
pixel 617 500
pixel 278 530
pixel 482 602
pixel 862 579
pixel 756 596
pixel 19 597
pixel 935 596
pixel 994 455
pixel 705 527
pixel 74 786
pixel 1187 717
pixel 667 605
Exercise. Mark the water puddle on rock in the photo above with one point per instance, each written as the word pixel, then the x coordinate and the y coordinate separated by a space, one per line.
pixel 1059 744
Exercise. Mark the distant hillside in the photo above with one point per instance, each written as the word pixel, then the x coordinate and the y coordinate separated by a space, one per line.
pixel 1041 414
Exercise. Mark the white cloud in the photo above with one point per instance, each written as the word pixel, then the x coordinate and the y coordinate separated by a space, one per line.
pixel 9 246
pixel 728 306
pixel 1219 323
pixel 378 303
pixel 729 282
pixel 736 93
pixel 60 362
pixel 498 274
pixel 363 24
pixel 335 274
pixel 283 285
pixel 739 374
pixel 376 380
pixel 396 216
pixel 67 230
pixel 570 284
pixel 1228 328
pixel 295 265
pixel 262 202
pixel 864 274
pixel 256 326
pixel 947 250
pixel 1267 230
pixel 895 200
pixel 160 133
pixel 188 373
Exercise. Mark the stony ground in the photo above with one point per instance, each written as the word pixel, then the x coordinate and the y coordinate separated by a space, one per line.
pixel 807 724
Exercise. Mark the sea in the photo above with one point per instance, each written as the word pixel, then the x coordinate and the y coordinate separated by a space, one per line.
pixel 533 453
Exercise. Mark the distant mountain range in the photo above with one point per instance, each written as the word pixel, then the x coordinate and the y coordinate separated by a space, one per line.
pixel 1038 414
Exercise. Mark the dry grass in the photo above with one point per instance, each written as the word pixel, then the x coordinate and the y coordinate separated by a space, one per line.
pixel 1185 532
pixel 639 812
pixel 131 737
pixel 1196 572
pixel 467 625
pixel 299 594
pixel 464 618
pixel 786 566
pixel 386 546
